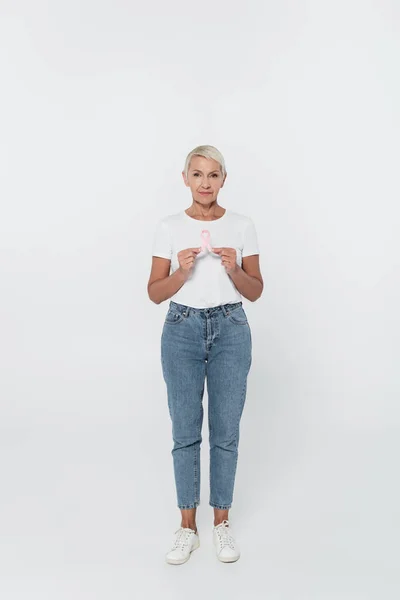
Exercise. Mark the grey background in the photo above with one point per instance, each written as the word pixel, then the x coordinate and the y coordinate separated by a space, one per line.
pixel 100 103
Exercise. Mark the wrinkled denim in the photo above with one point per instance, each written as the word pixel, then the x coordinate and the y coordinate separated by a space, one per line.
pixel 199 345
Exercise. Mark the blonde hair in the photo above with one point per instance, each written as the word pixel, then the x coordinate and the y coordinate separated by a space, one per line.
pixel 207 152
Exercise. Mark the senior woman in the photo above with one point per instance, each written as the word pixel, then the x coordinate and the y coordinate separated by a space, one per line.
pixel 204 260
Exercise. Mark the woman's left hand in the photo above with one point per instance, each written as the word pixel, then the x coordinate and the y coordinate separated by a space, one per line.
pixel 228 258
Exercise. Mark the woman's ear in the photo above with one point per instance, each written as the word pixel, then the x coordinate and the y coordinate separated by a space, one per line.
pixel 184 179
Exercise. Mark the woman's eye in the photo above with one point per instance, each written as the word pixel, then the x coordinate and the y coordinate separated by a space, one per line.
pixel 214 174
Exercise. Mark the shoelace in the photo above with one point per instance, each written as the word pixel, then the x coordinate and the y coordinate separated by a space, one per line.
pixel 183 535
pixel 224 536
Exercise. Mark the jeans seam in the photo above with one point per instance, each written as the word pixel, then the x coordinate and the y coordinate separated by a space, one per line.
pixel 195 473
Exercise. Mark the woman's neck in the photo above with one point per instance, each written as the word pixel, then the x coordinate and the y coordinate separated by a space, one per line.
pixel 205 213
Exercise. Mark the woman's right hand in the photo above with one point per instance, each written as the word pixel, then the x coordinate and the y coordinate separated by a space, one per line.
pixel 186 260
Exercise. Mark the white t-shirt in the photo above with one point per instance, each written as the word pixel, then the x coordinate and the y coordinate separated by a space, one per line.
pixel 208 285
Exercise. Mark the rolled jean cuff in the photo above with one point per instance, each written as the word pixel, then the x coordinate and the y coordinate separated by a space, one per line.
pixel 220 506
pixel 187 506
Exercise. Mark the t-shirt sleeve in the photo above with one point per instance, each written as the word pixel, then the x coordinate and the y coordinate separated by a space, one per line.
pixel 250 240
pixel 162 241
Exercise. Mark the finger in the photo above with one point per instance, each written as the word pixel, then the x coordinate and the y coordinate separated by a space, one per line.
pixel 187 261
pixel 217 250
pixel 191 253
pixel 227 252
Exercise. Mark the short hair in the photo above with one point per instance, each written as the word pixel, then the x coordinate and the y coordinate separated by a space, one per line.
pixel 208 152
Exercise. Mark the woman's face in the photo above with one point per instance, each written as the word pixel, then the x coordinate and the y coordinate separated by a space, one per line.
pixel 204 175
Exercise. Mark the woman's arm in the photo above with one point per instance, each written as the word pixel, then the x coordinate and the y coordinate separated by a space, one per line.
pixel 248 279
pixel 161 284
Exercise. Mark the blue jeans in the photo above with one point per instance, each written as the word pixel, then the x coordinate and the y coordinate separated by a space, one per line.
pixel 212 344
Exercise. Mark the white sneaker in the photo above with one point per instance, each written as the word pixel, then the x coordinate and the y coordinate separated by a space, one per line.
pixel 186 540
pixel 225 544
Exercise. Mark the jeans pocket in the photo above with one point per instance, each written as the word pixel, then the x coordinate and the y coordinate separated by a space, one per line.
pixel 173 317
pixel 238 316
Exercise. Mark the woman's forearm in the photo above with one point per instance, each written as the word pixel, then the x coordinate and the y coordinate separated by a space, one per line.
pixel 249 287
pixel 162 289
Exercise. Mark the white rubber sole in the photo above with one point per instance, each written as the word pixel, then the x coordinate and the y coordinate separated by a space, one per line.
pixel 229 559
pixel 176 561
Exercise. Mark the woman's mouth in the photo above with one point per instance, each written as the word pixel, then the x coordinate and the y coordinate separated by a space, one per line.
pixel 205 193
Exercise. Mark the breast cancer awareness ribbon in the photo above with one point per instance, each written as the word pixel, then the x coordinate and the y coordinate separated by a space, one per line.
pixel 205 240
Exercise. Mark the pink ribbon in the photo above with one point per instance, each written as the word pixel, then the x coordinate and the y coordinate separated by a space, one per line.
pixel 205 240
